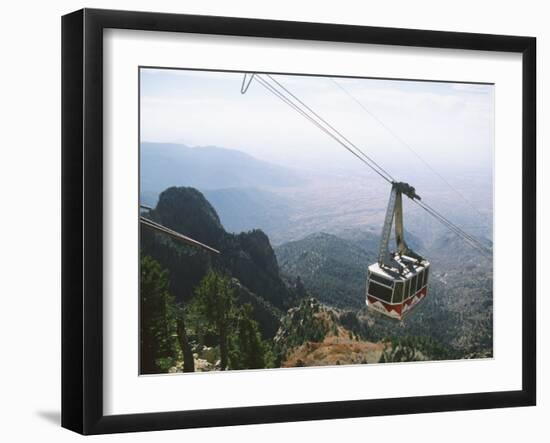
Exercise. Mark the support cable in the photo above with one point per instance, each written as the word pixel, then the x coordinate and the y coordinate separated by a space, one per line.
pixel 332 127
pixel 282 93
pixel 287 101
pixel 409 147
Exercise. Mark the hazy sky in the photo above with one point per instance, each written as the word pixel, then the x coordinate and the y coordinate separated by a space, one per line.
pixel 449 124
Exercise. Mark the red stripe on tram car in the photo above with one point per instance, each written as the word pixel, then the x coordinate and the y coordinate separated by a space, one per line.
pixel 399 308
pixel 388 307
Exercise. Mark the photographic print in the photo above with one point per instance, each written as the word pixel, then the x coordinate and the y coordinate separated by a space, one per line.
pixel 274 212
pixel 302 221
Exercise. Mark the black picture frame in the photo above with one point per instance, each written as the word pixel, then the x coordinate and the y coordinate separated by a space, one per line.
pixel 82 232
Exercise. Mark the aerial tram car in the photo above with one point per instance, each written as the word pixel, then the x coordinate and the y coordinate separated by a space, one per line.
pixel 398 281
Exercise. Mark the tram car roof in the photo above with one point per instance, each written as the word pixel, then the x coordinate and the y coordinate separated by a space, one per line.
pixel 409 268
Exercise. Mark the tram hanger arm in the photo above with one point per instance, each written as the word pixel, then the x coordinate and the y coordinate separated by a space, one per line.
pixel 395 211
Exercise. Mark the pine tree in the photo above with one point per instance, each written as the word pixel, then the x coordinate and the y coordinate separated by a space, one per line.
pixel 158 329
pixel 214 303
pixel 247 350
pixel 188 359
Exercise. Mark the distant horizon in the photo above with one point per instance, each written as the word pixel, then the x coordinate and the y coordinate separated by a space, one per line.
pixel 445 123
pixel 355 167
pixel 362 195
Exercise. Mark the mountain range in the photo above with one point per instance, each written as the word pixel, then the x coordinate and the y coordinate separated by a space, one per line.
pixel 288 203
pixel 163 165
pixel 286 236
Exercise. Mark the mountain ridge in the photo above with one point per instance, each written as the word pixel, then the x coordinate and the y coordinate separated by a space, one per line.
pixel 248 256
pixel 333 269
pixel 206 167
